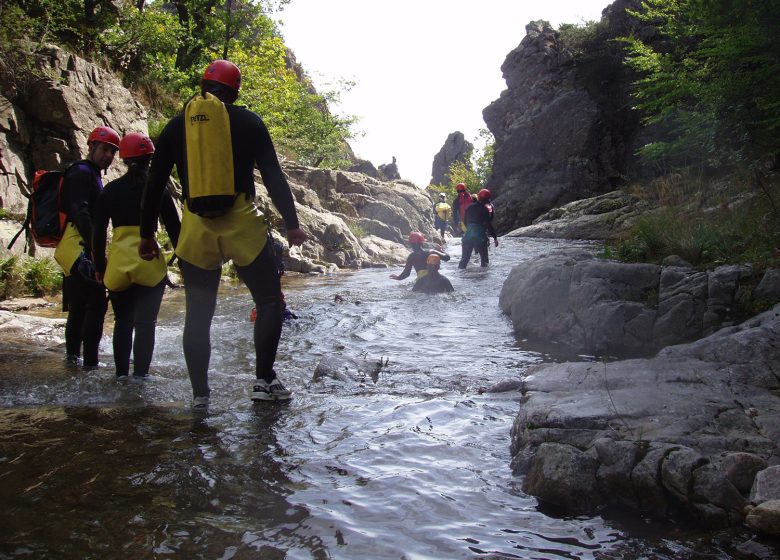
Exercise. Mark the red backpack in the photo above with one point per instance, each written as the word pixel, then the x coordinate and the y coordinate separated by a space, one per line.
pixel 45 218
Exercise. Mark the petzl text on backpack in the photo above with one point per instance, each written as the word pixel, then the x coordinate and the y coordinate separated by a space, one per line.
pixel 44 220
pixel 211 188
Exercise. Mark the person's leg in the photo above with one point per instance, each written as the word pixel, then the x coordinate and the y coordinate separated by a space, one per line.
pixel 145 323
pixel 262 279
pixel 466 249
pixel 74 325
pixel 200 294
pixel 95 314
pixel 482 249
pixel 122 304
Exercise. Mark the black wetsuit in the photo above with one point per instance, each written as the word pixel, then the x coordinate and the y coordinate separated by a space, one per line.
pixel 433 283
pixel 479 224
pixel 84 298
pixel 417 260
pixel 136 308
pixel 252 145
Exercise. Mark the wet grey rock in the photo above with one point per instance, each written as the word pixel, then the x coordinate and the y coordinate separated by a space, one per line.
pixel 604 217
pixel 563 476
pixel 741 469
pixel 766 486
pixel 714 498
pixel 599 307
pixel 505 386
pixel 765 518
pixel 769 286
pixel 682 431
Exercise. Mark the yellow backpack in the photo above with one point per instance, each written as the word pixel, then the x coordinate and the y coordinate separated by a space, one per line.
pixel 209 152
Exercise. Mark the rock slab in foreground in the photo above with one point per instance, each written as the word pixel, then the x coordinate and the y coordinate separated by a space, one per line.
pixel 695 429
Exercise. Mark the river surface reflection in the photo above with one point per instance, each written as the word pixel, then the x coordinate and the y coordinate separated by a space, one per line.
pixel 412 462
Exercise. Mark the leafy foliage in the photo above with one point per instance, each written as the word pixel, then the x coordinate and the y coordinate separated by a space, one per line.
pixel 711 85
pixel 21 276
pixel 737 231
pixel 161 49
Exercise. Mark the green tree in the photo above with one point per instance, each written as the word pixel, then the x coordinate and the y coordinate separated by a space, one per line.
pixel 710 86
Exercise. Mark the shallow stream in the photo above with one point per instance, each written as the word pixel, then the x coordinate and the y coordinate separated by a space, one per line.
pixel 411 462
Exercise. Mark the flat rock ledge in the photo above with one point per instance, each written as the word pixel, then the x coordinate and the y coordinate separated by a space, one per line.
pixel 693 431
pixel 599 307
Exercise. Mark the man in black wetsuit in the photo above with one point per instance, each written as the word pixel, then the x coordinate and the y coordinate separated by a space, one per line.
pixel 479 224
pixel 433 282
pixel 240 234
pixel 418 257
pixel 83 296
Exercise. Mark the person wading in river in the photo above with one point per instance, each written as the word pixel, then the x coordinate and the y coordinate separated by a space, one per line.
pixel 441 214
pixel 83 296
pixel 479 223
pixel 418 257
pixel 135 286
pixel 433 282
pixel 215 146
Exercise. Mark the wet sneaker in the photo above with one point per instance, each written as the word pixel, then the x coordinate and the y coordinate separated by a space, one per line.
pixel 72 360
pixel 200 404
pixel 273 391
pixel 121 378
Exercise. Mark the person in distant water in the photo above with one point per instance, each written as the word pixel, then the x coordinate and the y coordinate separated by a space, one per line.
pixel 433 282
pixel 83 296
pixel 135 286
pixel 459 205
pixel 441 214
pixel 417 258
pixel 479 224
pixel 215 146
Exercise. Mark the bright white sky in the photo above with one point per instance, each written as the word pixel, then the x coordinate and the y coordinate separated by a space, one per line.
pixel 424 68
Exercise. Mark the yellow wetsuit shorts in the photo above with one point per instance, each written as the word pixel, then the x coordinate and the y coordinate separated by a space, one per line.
pixel 125 267
pixel 69 248
pixel 238 235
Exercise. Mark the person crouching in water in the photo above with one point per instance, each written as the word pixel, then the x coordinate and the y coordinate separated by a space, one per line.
pixel 418 257
pixel 433 282
pixel 135 286
pixel 479 224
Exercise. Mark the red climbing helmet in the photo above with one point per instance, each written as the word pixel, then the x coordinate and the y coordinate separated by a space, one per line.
pixel 416 237
pixel 223 72
pixel 104 134
pixel 460 187
pixel 483 194
pixel 135 144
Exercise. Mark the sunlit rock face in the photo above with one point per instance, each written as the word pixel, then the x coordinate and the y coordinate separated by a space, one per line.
pixel 455 148
pixel 564 127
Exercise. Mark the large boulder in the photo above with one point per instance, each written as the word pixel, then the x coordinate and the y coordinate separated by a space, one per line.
pixel 602 308
pixel 605 217
pixel 692 429
pixel 564 128
pixel 455 148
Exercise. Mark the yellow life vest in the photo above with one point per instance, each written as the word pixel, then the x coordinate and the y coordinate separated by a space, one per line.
pixel 125 267
pixel 69 248
pixel 444 211
pixel 210 180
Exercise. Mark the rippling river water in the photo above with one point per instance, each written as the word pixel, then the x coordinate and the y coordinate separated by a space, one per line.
pixel 411 463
